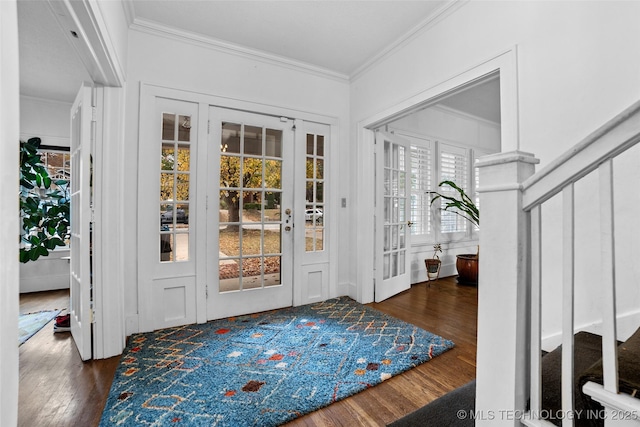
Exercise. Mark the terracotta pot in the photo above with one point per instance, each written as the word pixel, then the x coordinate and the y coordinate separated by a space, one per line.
pixel 467 265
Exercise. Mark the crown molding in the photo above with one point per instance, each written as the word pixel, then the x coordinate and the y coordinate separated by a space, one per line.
pixel 440 14
pixel 129 11
pixel 153 28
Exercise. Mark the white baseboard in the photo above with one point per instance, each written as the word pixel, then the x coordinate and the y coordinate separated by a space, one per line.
pixel 627 324
pixel 45 283
pixel 131 325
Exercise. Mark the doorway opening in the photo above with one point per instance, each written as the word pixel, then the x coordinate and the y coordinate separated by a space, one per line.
pixel 432 141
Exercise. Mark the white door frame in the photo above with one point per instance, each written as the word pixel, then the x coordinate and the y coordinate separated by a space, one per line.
pixel 9 160
pixel 505 63
pixel 150 91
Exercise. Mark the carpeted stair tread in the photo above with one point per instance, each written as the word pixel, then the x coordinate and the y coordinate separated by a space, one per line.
pixel 628 371
pixel 446 410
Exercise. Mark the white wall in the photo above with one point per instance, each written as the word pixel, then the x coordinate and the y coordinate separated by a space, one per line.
pixel 44 118
pixel 576 68
pixel 198 67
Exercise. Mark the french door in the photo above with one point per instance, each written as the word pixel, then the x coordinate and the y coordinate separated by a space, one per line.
pixel 250 213
pixel 80 286
pixel 392 207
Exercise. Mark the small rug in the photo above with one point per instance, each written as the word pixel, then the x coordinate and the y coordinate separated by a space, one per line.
pixel 263 369
pixel 30 323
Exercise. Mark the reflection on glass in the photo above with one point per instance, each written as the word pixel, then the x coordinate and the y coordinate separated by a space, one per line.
pixel 401 183
pixel 251 242
pixel 320 146
pixel 319 192
pixel 309 192
pixel 166 186
pixel 182 216
pixel 273 143
pixel 182 247
pixel 230 140
pixel 386 261
pixel 394 264
pixel 229 274
pixel 394 237
pixel 272 239
pixel 252 173
pixel 387 182
pixel 387 154
pixel 184 130
pixel 310 171
pixel 272 275
pixel 229 171
pixel 167 160
pixel 184 157
pixel 319 169
pixel 273 173
pixel 394 210
pixel 310 144
pixel 401 262
pixel 168 127
pixel 182 186
pixel 386 215
pixel 165 247
pixel 387 238
pixel 253 140
pixel 229 206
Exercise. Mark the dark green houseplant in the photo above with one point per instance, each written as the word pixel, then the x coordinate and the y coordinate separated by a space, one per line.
pixel 461 204
pixel 44 207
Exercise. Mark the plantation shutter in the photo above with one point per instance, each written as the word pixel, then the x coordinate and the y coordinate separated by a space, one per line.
pixel 421 176
pixel 454 166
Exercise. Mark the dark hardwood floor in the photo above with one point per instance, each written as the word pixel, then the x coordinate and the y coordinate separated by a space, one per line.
pixel 58 389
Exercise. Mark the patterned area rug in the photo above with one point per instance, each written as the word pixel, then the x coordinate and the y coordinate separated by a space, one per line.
pixel 30 323
pixel 263 369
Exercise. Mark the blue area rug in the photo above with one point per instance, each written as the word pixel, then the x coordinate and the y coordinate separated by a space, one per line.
pixel 30 323
pixel 263 369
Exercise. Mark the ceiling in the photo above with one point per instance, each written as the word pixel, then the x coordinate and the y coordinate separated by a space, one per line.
pixel 340 37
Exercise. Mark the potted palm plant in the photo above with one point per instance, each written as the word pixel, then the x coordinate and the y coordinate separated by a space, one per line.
pixel 461 204
pixel 433 264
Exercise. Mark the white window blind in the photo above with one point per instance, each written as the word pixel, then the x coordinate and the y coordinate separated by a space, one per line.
pixel 421 176
pixel 454 166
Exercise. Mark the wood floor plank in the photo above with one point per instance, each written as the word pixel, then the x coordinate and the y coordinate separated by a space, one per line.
pixel 58 389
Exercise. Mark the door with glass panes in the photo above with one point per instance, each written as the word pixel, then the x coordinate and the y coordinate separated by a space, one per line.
pixel 392 206
pixel 250 213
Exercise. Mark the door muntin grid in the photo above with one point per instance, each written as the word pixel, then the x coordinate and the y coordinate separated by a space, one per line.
pixel 250 217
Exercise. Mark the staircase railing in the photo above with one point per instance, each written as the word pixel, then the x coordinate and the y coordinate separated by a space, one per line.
pixel 509 385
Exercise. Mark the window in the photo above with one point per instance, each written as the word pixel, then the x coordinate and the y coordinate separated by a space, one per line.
pixel 175 169
pixel 421 177
pixel 431 163
pixel 315 212
pixel 454 166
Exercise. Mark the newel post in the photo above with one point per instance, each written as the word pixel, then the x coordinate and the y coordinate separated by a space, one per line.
pixel 503 290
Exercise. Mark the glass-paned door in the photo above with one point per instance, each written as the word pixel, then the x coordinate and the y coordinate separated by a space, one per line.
pixel 252 185
pixel 393 164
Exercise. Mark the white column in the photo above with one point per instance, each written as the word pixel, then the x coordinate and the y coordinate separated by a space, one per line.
pixel 9 224
pixel 503 289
